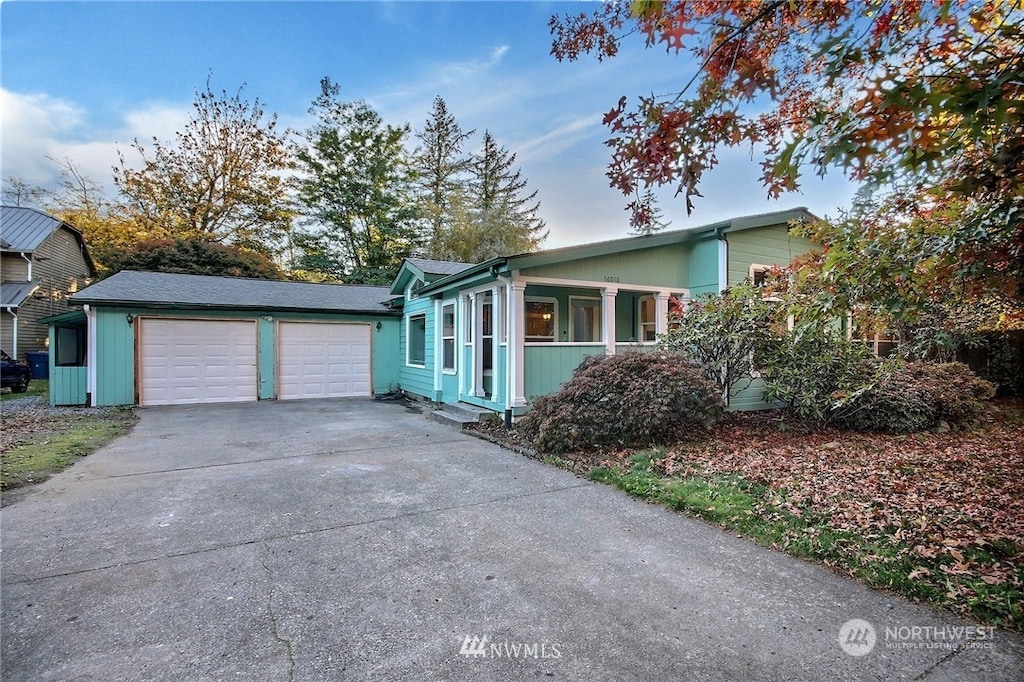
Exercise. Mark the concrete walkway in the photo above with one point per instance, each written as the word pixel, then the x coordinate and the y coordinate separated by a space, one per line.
pixel 335 540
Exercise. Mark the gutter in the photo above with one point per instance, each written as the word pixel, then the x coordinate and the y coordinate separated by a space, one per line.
pixel 479 268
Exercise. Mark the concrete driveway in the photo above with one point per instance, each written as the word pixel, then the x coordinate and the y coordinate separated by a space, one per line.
pixel 333 540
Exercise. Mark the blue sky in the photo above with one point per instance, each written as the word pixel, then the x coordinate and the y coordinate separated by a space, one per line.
pixel 82 80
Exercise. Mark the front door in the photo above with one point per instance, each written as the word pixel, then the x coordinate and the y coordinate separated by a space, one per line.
pixel 481 317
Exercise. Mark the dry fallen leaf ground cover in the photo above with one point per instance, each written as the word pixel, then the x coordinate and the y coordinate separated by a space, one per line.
pixel 937 517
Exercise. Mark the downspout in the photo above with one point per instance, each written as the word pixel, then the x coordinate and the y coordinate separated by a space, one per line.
pixel 723 284
pixel 27 259
pixel 90 353
pixel 723 262
pixel 14 331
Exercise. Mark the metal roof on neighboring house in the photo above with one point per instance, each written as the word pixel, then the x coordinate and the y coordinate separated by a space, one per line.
pixel 439 267
pixel 163 289
pixel 13 294
pixel 24 229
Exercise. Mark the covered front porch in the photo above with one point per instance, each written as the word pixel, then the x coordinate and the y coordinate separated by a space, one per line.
pixel 557 323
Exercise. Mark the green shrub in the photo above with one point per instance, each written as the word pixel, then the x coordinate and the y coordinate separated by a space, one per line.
pixel 914 396
pixel 812 369
pixel 625 400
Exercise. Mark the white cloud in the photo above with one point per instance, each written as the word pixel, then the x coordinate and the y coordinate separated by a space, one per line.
pixel 33 125
pixel 557 140
pixel 40 132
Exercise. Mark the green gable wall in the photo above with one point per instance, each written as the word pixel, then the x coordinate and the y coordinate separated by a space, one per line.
pixel 771 245
pixel 763 246
pixel 665 266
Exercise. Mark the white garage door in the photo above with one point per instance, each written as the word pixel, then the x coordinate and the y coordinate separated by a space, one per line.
pixel 196 361
pixel 323 360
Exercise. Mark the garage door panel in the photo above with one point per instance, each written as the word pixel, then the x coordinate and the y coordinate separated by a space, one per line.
pixel 323 360
pixel 197 361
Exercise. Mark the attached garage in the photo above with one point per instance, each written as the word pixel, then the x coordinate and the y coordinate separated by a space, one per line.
pixel 323 360
pixel 154 338
pixel 196 361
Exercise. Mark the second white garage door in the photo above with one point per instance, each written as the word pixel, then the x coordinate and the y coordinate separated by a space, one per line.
pixel 323 360
pixel 196 361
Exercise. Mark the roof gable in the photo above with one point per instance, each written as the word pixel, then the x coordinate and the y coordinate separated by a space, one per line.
pixel 25 229
pixel 426 270
pixel 162 289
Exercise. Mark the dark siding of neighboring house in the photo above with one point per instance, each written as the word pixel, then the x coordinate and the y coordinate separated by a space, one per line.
pixel 61 269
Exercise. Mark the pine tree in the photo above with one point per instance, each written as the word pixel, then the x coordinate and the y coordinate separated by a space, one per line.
pixel 500 202
pixel 442 170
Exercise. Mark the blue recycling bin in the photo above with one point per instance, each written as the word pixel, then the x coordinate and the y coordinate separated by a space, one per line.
pixel 39 364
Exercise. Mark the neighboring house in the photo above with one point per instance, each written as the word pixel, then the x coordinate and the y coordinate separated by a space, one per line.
pixel 492 334
pixel 42 261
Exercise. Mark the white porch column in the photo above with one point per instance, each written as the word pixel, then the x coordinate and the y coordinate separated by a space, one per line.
pixel 497 323
pixel 90 353
pixel 516 344
pixel 608 318
pixel 438 345
pixel 661 312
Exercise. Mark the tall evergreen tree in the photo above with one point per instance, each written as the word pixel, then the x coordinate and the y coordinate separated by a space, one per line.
pixel 498 216
pixel 441 167
pixel 355 191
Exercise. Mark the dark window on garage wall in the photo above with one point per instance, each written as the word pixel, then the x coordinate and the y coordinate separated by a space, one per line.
pixel 70 347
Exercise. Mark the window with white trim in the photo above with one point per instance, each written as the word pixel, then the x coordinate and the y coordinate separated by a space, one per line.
pixel 878 338
pixel 416 341
pixel 448 337
pixel 541 317
pixel 584 319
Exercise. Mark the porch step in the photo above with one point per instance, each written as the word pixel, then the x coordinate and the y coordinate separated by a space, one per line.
pixel 460 414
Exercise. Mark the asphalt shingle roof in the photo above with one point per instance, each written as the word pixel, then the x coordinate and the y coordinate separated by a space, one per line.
pixel 439 267
pixel 24 229
pixel 202 291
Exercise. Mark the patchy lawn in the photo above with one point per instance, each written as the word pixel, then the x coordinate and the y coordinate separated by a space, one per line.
pixel 38 440
pixel 35 387
pixel 935 517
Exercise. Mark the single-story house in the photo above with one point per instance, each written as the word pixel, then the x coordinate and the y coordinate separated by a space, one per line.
pixel 491 334
pixel 43 260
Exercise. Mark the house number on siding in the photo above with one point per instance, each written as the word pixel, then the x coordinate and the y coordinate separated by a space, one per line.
pixel 612 278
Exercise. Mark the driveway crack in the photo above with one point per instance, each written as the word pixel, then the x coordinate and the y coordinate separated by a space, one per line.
pixel 275 626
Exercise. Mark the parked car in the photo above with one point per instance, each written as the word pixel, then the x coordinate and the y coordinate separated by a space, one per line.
pixel 14 374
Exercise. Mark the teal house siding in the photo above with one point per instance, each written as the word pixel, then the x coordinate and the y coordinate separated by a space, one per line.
pixel 548 367
pixel 68 385
pixel 418 380
pixel 704 267
pixel 115 356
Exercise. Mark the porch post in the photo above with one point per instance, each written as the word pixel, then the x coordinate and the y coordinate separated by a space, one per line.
pixel 516 341
pixel 438 346
pixel 661 313
pixel 469 306
pixel 608 318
